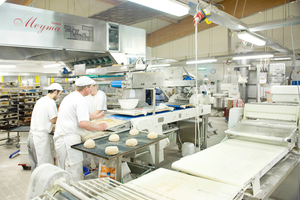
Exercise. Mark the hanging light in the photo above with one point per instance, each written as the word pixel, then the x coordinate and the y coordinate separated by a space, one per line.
pixel 202 61
pixel 161 65
pixel 167 6
pixel 244 35
pixel 253 57
pixel 7 66
pixel 52 65
pixel 2 1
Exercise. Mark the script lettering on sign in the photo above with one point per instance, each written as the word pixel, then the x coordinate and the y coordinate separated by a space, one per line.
pixel 32 23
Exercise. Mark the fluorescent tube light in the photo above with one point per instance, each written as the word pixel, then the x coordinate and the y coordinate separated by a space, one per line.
pixel 202 69
pixel 282 58
pixel 8 66
pixel 252 57
pixel 2 1
pixel 251 38
pixel 167 6
pixel 161 65
pixel 52 65
pixel 202 61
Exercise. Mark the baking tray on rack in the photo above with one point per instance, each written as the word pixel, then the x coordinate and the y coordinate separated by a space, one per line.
pixel 103 142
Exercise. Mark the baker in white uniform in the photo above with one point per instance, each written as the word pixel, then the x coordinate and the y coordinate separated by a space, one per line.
pixel 73 120
pixel 97 104
pixel 96 100
pixel 43 117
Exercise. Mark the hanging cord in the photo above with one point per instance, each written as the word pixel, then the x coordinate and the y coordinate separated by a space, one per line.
pixel 244 8
pixel 197 128
pixel 237 1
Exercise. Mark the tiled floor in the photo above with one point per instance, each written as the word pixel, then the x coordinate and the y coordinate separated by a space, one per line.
pixel 14 180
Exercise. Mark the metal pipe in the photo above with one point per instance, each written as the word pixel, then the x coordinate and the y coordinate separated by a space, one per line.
pixel 154 96
pixel 73 191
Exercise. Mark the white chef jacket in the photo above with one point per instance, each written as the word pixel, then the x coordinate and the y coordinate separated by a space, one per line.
pixel 73 109
pixel 43 111
pixel 97 102
pixel 40 127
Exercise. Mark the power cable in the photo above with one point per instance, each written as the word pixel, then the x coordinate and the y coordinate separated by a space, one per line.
pixel 244 8
pixel 235 7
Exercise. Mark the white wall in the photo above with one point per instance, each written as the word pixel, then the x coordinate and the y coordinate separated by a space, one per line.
pixel 214 41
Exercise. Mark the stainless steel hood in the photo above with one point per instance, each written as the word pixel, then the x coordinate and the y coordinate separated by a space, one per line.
pixel 28 33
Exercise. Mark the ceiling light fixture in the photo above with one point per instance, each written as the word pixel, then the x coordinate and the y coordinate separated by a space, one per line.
pixel 202 69
pixel 282 58
pixel 161 65
pixel 167 6
pixel 202 61
pixel 243 35
pixel 8 66
pixel 2 1
pixel 252 57
pixel 52 65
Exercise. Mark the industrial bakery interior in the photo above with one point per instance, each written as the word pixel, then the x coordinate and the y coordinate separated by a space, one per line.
pixel 150 99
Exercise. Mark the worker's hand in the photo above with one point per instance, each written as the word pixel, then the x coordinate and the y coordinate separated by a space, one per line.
pixel 101 114
pixel 103 126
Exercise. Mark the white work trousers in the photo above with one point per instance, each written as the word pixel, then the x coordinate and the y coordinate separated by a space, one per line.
pixel 42 144
pixel 63 154
pixel 31 152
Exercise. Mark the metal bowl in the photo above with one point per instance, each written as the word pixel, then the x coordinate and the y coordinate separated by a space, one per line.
pixel 128 104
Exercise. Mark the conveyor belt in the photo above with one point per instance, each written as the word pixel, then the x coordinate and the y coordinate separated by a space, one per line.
pixel 167 184
pixel 233 161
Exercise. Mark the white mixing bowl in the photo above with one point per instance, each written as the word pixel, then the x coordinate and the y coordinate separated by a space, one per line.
pixel 128 104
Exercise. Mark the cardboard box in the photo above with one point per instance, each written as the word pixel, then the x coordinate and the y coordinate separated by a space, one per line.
pixel 230 103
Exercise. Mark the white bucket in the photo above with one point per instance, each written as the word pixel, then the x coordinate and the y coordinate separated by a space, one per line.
pixel 188 148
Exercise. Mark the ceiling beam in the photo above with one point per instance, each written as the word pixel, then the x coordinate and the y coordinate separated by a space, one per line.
pixel 186 27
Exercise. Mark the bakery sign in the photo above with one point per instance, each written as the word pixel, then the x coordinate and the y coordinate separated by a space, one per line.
pixel 33 23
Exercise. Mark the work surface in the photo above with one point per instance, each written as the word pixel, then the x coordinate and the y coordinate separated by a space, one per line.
pixel 167 184
pixel 102 143
pixel 233 161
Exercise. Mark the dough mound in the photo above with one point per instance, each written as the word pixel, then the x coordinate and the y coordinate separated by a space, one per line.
pixel 104 122
pixel 89 144
pixel 131 142
pixel 111 150
pixel 114 138
pixel 152 135
pixel 134 132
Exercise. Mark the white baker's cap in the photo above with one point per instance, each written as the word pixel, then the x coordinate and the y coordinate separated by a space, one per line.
pixel 54 86
pixel 83 81
pixel 94 82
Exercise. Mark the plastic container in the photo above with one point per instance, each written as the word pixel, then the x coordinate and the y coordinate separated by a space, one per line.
pixel 188 149
pixel 128 104
pixel 86 171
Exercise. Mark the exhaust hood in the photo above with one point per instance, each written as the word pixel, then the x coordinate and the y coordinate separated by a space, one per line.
pixel 28 33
